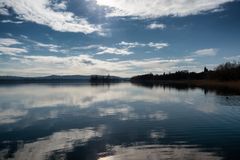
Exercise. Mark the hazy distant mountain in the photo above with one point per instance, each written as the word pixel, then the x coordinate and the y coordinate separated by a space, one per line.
pixel 66 77
pixel 54 79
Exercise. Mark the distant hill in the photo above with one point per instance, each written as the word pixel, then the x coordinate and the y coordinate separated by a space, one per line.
pixel 56 79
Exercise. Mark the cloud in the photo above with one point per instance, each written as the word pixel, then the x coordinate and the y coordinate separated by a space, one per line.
pixel 232 58
pixel 128 45
pixel 117 51
pixel 158 8
pixel 105 50
pixel 6 46
pixel 205 52
pixel 36 45
pixel 50 47
pixel 150 44
pixel 158 45
pixel 122 48
pixel 93 46
pixel 131 44
pixel 50 13
pixel 60 6
pixel 3 10
pixel 12 50
pixel 10 21
pixel 156 26
pixel 8 42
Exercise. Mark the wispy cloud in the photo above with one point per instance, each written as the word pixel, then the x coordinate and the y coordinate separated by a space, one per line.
pixel 131 44
pixel 205 52
pixel 150 44
pixel 158 8
pixel 7 46
pixel 50 47
pixel 36 45
pixel 8 42
pixel 232 58
pixel 158 45
pixel 100 49
pixel 10 21
pixel 49 13
pixel 93 46
pixel 12 50
pixel 111 50
pixel 122 48
pixel 156 26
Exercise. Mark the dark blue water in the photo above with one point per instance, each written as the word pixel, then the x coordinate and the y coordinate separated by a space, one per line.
pixel 117 122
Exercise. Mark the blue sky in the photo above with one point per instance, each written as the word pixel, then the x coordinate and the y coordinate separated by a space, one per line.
pixel 117 37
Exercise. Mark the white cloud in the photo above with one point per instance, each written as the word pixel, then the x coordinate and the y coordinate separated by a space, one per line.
pixel 158 45
pixel 52 14
pixel 117 51
pixel 156 26
pixel 105 50
pixel 12 50
pixel 158 8
pixel 60 6
pixel 122 48
pixel 131 44
pixel 150 44
pixel 10 21
pixel 50 47
pixel 8 42
pixel 232 58
pixel 205 52
pixel 6 46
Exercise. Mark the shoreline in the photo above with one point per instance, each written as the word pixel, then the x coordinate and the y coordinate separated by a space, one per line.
pixel 204 83
pixel 207 85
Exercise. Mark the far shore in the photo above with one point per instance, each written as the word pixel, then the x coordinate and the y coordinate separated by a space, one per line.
pixel 199 83
pixel 210 83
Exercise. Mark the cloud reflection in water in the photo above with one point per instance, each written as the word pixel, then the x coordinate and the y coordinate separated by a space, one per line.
pixel 61 142
pixel 156 152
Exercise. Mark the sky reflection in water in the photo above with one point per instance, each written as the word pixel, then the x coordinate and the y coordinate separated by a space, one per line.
pixel 120 121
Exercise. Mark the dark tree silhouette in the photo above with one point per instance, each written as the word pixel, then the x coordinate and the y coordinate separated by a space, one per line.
pixel 224 72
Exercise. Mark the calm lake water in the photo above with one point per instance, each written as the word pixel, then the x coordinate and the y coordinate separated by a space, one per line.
pixel 117 122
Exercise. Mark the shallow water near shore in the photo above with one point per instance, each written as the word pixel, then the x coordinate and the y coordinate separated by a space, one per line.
pixel 120 121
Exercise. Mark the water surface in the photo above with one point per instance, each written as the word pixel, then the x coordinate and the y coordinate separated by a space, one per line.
pixel 117 122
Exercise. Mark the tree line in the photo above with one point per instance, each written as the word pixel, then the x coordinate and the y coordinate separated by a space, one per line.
pixel 95 79
pixel 229 71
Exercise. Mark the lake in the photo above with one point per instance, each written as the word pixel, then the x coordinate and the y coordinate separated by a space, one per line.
pixel 117 122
